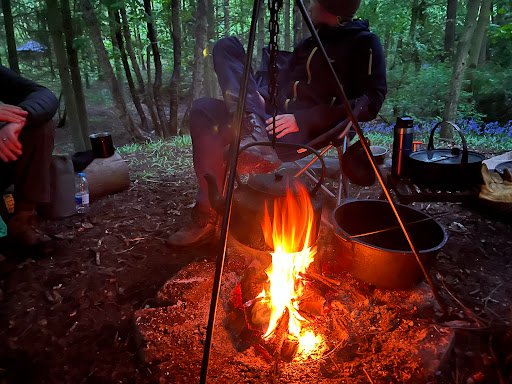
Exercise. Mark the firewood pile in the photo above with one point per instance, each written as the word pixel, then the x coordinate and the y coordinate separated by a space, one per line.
pixel 368 335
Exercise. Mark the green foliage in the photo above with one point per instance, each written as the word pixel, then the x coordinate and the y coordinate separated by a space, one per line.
pixel 421 96
pixel 493 93
pixel 159 157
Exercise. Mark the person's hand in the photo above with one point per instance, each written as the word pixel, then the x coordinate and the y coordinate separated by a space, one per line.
pixel 285 124
pixel 12 114
pixel 10 146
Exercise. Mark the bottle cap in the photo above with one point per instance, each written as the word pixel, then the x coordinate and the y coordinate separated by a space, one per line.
pixel 81 174
pixel 404 122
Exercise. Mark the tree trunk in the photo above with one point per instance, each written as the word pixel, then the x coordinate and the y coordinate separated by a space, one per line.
pixel 227 26
pixel 287 28
pixel 76 77
pixel 461 57
pixel 304 27
pixel 157 85
pixel 9 36
pixel 209 75
pixel 138 74
pixel 412 54
pixel 97 40
pixel 46 41
pixel 200 35
pixel 449 34
pixel 176 73
pixel 55 24
pixel 478 36
pixel 115 52
pixel 260 42
pixel 127 71
pixel 139 48
pixel 297 26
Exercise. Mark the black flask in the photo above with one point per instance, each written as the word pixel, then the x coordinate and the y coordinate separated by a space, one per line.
pixel 402 145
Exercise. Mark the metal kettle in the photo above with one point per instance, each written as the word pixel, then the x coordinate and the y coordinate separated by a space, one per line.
pixel 251 198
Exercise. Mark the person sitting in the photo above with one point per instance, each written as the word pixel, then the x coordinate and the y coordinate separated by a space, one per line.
pixel 308 101
pixel 26 145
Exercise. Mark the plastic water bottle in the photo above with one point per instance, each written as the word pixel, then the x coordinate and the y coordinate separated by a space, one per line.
pixel 82 194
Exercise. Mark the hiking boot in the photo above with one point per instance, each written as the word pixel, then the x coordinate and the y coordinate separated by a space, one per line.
pixel 23 229
pixel 200 231
pixel 257 159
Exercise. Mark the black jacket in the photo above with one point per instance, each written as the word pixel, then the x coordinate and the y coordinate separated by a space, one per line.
pixel 40 103
pixel 308 89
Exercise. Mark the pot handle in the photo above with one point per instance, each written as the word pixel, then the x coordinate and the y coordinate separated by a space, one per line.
pixel 315 189
pixel 464 159
pixel 340 233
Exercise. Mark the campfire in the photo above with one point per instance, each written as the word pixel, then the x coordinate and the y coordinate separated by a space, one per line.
pixel 281 302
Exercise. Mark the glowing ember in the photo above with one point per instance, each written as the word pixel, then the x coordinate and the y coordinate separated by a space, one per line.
pixel 290 234
pixel 309 342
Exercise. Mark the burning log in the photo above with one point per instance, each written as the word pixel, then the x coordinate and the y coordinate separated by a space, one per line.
pixel 312 303
pixel 330 284
pixel 290 348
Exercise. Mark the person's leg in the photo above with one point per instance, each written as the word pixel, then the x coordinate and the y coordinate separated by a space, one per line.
pixel 31 183
pixel 211 133
pixel 229 61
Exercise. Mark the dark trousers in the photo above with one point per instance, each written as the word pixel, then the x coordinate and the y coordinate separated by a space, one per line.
pixel 30 174
pixel 211 119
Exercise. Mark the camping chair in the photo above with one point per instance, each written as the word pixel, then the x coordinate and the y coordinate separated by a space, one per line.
pixel 337 137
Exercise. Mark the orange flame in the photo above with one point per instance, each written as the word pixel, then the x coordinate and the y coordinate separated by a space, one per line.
pixel 289 232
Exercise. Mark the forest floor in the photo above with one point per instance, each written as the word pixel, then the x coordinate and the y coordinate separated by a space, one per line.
pixel 67 310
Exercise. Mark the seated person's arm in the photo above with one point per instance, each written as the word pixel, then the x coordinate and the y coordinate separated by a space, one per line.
pixel 321 117
pixel 40 103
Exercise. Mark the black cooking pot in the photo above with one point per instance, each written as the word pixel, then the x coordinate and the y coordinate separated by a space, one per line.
pixel 371 245
pixel 445 169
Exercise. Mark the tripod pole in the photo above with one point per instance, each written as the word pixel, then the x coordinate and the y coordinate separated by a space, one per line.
pixel 229 195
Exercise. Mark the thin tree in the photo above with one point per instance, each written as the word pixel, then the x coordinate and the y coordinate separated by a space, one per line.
pixel 176 73
pixel 227 26
pixel 260 42
pixel 157 85
pixel 74 67
pixel 9 36
pixel 477 45
pixel 127 71
pixel 55 23
pixel 461 57
pixel 97 40
pixel 200 36
pixel 449 33
pixel 287 27
pixel 147 98
pixel 115 50
pixel 297 25
pixel 209 75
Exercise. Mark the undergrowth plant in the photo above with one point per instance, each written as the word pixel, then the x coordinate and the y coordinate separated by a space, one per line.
pixel 155 158
pixel 491 136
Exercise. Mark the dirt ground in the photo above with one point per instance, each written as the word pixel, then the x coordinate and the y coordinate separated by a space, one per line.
pixel 67 310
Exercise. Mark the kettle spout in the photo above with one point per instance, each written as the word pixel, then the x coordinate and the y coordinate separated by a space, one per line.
pixel 217 201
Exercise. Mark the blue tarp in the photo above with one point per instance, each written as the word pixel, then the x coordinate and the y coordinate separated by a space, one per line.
pixel 32 46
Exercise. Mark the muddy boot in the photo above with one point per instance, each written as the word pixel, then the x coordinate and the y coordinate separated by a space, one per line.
pixel 23 229
pixel 257 159
pixel 200 231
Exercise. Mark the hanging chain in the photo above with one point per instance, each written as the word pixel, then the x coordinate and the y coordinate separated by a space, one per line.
pixel 274 7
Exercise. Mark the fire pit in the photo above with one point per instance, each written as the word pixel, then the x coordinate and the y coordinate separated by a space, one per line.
pixel 287 321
